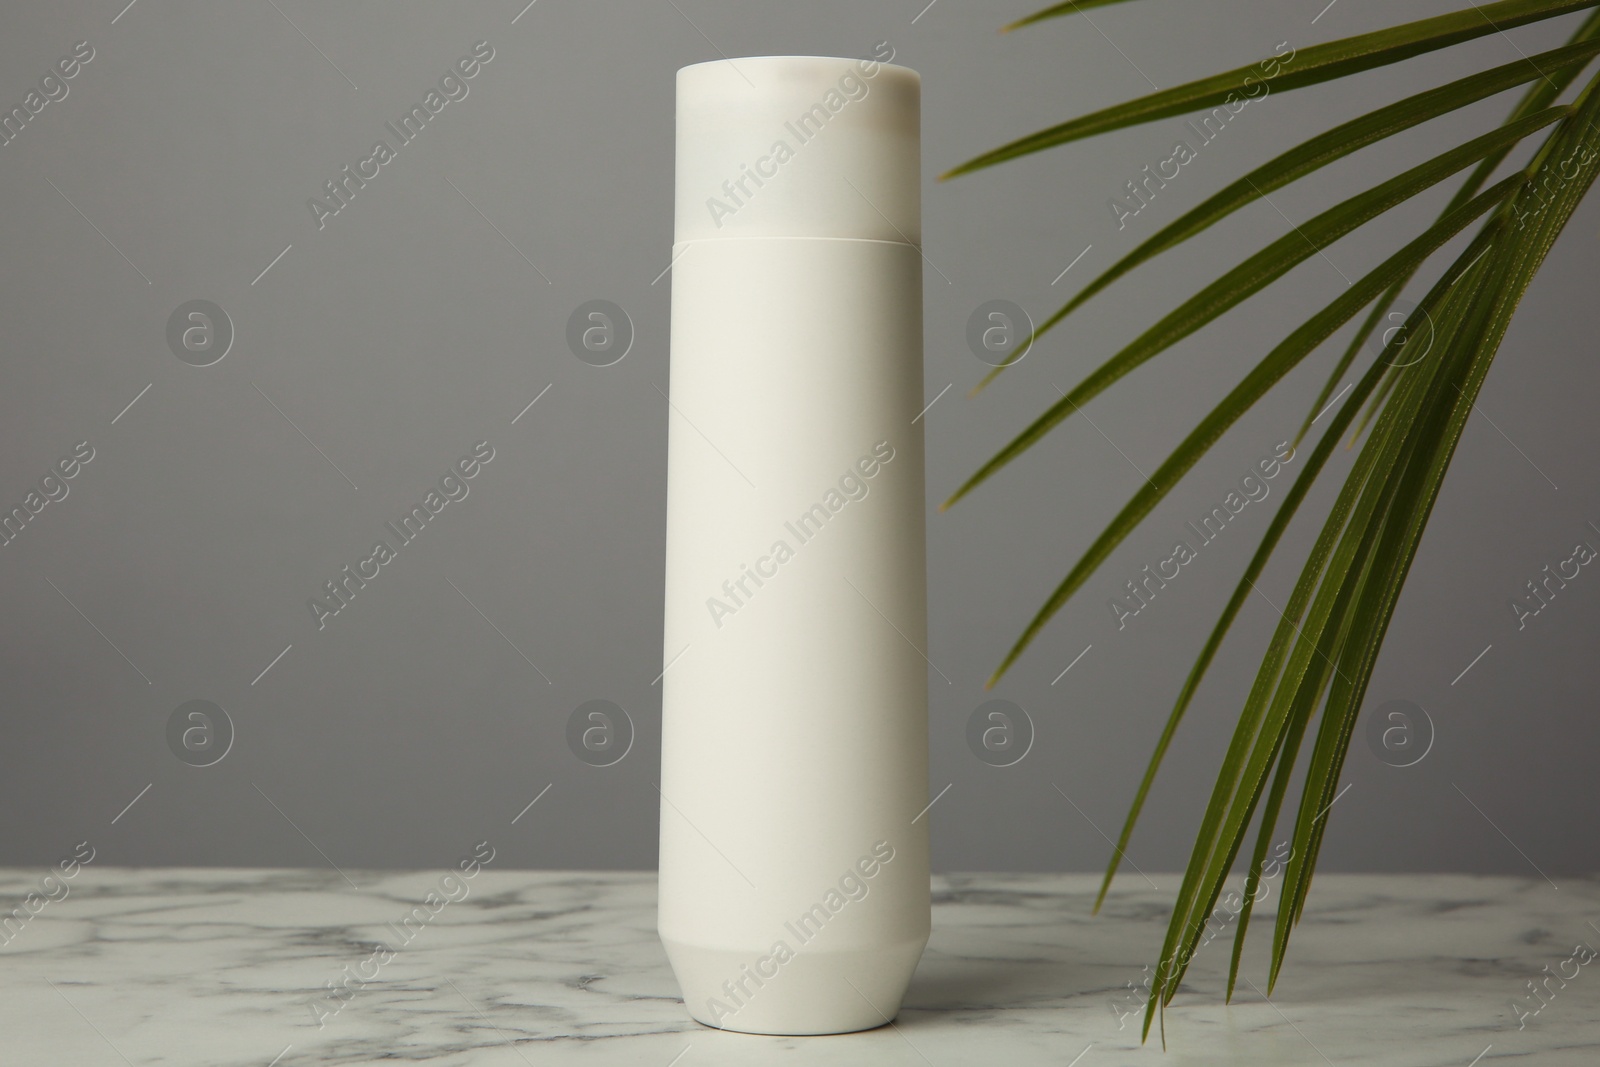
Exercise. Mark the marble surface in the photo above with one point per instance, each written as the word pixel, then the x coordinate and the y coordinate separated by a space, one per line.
pixel 237 967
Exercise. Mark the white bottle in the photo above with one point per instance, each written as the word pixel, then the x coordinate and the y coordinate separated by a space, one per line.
pixel 794 856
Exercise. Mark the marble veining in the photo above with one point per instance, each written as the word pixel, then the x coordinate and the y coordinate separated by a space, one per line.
pixel 227 968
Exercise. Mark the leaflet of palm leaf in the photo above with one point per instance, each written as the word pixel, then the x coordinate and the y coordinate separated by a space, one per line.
pixel 1324 648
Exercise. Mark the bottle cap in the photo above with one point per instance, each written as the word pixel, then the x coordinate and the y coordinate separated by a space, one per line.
pixel 799 146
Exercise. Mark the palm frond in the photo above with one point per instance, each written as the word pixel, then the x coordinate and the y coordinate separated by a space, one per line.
pixel 1557 179
pixel 1322 653
pixel 1335 144
pixel 1544 92
pixel 1258 271
pixel 1296 657
pixel 1289 353
pixel 1309 66
pixel 1072 7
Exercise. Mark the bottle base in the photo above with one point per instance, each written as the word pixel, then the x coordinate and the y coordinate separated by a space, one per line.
pixel 807 993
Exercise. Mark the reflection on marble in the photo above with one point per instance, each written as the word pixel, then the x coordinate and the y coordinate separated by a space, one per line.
pixel 221 967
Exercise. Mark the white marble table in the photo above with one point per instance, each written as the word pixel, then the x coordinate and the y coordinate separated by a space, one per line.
pixel 223 967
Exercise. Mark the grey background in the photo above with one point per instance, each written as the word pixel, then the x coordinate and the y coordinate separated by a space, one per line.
pixel 408 328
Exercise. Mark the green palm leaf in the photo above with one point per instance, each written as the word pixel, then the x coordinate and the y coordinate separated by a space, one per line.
pixel 1543 92
pixel 1321 655
pixel 1550 195
pixel 1295 660
pixel 1337 143
pixel 1310 66
pixel 1255 385
pixel 1256 272
pixel 1069 8
pixel 1290 352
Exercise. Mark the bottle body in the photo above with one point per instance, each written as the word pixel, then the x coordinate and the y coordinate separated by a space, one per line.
pixel 794 866
pixel 794 861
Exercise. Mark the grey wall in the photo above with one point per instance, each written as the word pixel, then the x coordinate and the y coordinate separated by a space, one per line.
pixel 425 316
